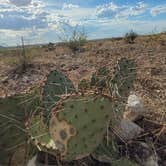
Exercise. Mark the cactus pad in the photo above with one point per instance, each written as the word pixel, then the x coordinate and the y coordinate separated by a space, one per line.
pixel 80 123
pixel 83 85
pixel 107 151
pixel 11 127
pixel 99 79
pixel 14 111
pixel 57 84
pixel 125 74
pixel 39 135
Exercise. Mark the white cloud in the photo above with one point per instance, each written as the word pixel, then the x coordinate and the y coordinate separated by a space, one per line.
pixel 20 2
pixel 111 10
pixel 133 11
pixel 69 6
pixel 22 17
pixel 118 27
pixel 158 10
pixel 3 2
pixel 107 10
pixel 31 36
pixel 39 21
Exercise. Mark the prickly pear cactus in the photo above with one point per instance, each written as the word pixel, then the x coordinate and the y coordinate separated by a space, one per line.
pixel 39 135
pixel 11 127
pixel 107 151
pixel 125 74
pixel 57 84
pixel 119 86
pixel 14 111
pixel 103 71
pixel 99 79
pixel 79 123
pixel 83 85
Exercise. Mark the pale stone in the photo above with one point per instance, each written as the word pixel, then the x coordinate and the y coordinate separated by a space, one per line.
pixel 134 107
pixel 128 130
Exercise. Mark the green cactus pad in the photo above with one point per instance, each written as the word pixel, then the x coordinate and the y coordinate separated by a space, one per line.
pixel 14 111
pixel 39 135
pixel 80 124
pixel 83 85
pixel 107 151
pixel 103 71
pixel 12 131
pixel 125 74
pixel 99 79
pixel 57 84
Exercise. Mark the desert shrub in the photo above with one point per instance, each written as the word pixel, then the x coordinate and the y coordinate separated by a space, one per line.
pixel 77 40
pixel 74 38
pixel 130 36
pixel 50 46
pixel 23 59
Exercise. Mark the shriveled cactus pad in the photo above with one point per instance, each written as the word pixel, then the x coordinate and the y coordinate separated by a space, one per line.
pixel 57 84
pixel 40 136
pixel 125 74
pixel 79 123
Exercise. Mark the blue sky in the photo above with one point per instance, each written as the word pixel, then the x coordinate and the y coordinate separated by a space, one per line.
pixel 42 21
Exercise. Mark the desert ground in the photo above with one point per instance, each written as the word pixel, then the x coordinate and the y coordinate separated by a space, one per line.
pixel 149 53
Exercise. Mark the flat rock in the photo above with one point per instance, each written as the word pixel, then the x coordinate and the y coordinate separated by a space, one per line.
pixel 128 130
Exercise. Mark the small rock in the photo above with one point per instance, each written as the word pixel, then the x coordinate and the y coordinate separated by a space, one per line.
pixel 25 79
pixel 135 103
pixel 134 107
pixel 151 161
pixel 32 162
pixel 128 130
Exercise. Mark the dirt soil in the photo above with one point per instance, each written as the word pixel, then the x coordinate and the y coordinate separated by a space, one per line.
pixel 149 52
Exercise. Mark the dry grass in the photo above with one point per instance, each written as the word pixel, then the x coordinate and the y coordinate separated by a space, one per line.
pixel 148 51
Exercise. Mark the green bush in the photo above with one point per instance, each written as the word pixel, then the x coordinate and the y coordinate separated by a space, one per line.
pixel 130 36
pixel 77 40
pixel 72 37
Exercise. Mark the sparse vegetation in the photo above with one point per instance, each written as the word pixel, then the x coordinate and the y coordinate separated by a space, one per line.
pixel 95 67
pixel 77 40
pixel 130 37
pixel 74 39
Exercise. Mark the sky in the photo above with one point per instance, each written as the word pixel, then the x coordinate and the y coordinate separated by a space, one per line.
pixel 43 21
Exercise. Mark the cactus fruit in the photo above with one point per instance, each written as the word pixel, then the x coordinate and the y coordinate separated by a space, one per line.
pixel 125 74
pixel 57 84
pixel 78 124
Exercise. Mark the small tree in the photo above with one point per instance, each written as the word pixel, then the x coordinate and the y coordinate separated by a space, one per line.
pixel 130 36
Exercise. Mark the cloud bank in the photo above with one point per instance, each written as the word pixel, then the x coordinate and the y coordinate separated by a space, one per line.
pixel 111 10
pixel 158 10
pixel 39 20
